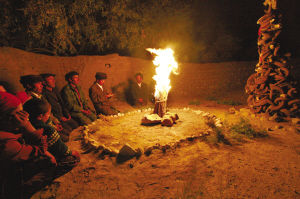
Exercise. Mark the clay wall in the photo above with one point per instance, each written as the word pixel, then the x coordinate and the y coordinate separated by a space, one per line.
pixel 194 80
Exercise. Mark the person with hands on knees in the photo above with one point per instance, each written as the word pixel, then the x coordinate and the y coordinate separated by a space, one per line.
pixel 39 115
pixel 75 101
pixel 26 164
pixel 58 108
pixel 139 91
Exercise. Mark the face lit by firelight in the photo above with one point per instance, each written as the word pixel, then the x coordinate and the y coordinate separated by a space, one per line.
pixel 139 79
pixel 50 81
pixel 38 87
pixel 75 79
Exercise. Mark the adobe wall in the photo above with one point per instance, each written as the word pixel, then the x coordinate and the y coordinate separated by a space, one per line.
pixel 194 80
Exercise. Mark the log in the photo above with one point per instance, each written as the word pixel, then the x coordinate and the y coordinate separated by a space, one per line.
pixel 160 108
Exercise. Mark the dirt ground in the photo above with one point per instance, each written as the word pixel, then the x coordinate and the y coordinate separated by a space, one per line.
pixel 266 167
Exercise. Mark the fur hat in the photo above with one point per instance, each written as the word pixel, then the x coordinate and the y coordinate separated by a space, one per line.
pixel 30 79
pixel 100 76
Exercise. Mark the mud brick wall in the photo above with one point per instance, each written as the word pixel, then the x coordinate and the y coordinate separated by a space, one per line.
pixel 194 80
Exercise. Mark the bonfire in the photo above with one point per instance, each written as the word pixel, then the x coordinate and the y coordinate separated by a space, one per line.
pixel 165 65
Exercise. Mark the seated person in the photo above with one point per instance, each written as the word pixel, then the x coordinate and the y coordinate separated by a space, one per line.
pixel 139 91
pixel 100 96
pixel 33 85
pixel 75 101
pixel 58 109
pixel 39 115
pixel 26 165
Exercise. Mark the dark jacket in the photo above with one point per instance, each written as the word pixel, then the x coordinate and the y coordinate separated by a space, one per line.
pixel 139 92
pixel 72 101
pixel 58 108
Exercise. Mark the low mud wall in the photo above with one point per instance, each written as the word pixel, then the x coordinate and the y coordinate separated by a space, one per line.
pixel 194 80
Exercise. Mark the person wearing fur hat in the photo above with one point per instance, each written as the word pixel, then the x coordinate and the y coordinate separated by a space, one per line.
pixel 75 100
pixel 101 97
pixel 25 160
pixel 33 85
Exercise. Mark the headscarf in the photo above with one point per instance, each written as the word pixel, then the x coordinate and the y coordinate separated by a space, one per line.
pixel 8 101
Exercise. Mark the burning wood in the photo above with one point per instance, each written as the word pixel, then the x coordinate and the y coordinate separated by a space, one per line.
pixel 271 89
pixel 160 108
pixel 165 62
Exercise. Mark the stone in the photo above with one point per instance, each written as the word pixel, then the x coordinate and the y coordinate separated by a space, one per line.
pixel 232 110
pixel 278 127
pixel 173 116
pixel 148 151
pixel 167 122
pixel 151 119
pixel 125 153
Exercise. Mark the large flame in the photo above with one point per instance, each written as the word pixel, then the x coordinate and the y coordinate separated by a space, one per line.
pixel 166 63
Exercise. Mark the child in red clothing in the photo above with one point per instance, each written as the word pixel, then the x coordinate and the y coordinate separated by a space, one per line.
pixel 21 161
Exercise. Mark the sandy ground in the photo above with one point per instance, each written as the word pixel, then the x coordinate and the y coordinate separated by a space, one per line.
pixel 255 168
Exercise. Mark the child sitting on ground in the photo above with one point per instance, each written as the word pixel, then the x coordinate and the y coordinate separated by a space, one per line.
pixel 39 112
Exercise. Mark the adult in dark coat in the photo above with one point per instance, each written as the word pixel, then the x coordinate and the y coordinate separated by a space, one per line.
pixel 33 85
pixel 100 97
pixel 139 91
pixel 75 101
pixel 58 108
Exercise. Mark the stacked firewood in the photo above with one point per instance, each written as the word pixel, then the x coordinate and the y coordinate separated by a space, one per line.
pixel 271 89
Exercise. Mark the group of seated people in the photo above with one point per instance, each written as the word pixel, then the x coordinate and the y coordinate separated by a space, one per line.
pixel 36 123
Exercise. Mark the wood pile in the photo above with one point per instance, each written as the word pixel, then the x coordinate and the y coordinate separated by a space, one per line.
pixel 169 119
pixel 271 88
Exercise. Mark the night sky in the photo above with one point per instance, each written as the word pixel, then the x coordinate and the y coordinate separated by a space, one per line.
pixel 240 17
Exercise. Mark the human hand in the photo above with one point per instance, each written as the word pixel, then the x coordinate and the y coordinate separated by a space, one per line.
pixel 51 158
pixel 87 112
pixel 109 95
pixel 64 119
pixel 21 118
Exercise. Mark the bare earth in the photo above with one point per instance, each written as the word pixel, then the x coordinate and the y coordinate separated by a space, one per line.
pixel 256 168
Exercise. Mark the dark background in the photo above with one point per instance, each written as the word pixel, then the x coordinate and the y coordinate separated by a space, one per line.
pixel 197 30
